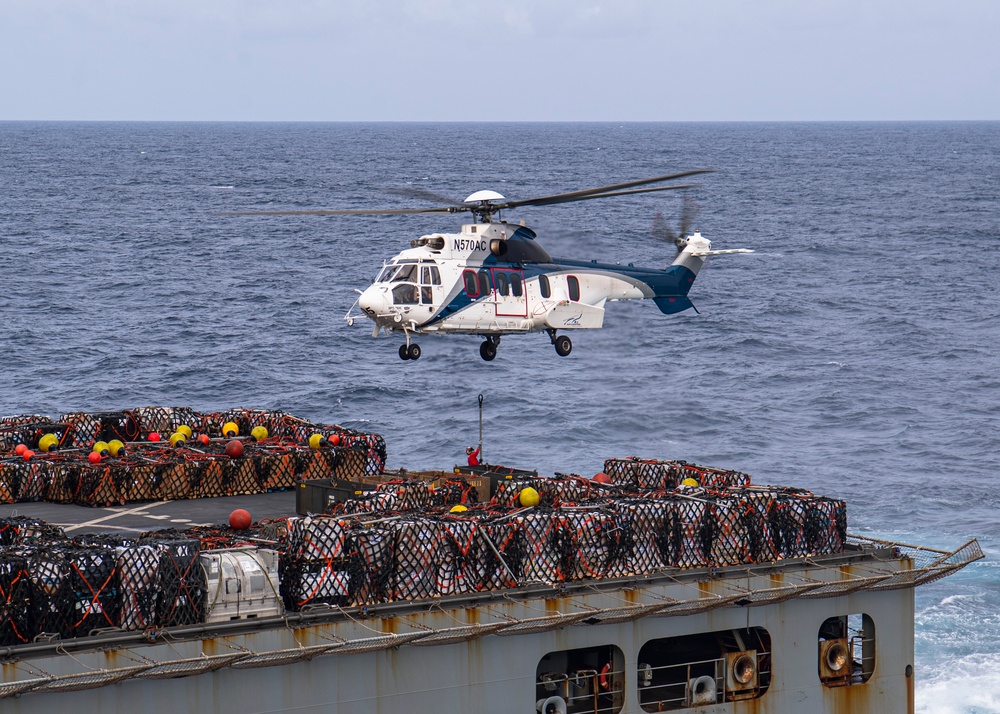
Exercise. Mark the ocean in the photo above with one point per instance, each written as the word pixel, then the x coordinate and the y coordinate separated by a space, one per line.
pixel 853 354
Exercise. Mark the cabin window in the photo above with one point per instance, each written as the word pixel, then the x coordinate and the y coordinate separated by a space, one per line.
pixel 485 286
pixel 503 287
pixel 703 669
pixel 516 288
pixel 589 679
pixel 574 287
pixel 404 294
pixel 471 284
pixel 544 287
pixel 846 650
pixel 426 295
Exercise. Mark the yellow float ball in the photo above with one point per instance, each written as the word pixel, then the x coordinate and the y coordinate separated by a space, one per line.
pixel 185 430
pixel 177 439
pixel 528 497
pixel 48 441
pixel 689 482
pixel 458 509
pixel 259 433
pixel 116 447
pixel 316 441
pixel 230 429
pixel 101 447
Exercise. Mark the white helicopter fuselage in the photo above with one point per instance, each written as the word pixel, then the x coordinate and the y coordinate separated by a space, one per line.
pixel 493 279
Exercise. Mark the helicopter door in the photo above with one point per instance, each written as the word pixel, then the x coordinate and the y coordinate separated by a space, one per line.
pixel 509 293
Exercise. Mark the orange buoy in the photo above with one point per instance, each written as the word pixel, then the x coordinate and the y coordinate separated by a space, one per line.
pixel 94 457
pixel 20 449
pixel 203 439
pixel 334 439
pixel 240 519
pixel 234 449
pixel 601 478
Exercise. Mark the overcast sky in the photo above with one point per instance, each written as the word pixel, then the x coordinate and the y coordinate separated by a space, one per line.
pixel 506 60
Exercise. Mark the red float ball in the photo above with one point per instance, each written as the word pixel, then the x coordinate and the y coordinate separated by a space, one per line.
pixel 239 519
pixel 153 436
pixel 601 478
pixel 94 457
pixel 28 453
pixel 20 449
pixel 234 449
pixel 204 440
pixel 334 439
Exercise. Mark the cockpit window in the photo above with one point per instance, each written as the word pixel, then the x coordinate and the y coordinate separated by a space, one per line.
pixel 385 273
pixel 405 273
pixel 405 294
pixel 429 275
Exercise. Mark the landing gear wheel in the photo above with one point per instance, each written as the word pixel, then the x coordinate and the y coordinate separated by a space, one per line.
pixel 414 351
pixel 563 345
pixel 404 352
pixel 488 351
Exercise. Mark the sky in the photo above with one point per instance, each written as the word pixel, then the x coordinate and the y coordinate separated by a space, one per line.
pixel 505 60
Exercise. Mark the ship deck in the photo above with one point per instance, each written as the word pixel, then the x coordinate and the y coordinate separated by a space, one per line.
pixel 154 515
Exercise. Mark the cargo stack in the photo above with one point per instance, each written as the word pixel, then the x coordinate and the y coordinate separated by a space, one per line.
pixel 170 453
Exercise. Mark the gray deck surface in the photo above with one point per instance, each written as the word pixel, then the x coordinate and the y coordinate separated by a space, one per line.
pixel 154 515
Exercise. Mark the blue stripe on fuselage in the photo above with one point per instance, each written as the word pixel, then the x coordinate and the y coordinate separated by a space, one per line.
pixel 673 282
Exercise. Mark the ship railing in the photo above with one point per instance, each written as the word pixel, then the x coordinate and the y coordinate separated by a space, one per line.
pixel 586 691
pixel 673 686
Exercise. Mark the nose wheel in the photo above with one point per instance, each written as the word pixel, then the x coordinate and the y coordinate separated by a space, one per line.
pixel 410 351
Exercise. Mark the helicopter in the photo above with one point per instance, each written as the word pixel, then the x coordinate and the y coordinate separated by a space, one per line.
pixel 493 278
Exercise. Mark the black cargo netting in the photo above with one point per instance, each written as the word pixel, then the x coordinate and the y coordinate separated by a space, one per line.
pixel 399 542
pixel 146 469
pixel 655 475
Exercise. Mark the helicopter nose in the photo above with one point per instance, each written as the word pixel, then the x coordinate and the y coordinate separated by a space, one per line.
pixel 373 301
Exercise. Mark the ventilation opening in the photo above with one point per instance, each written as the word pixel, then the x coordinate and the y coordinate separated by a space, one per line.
pixel 846 650
pixel 589 679
pixel 705 668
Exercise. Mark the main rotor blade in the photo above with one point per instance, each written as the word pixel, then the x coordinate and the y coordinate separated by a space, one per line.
pixel 351 212
pixel 552 200
pixel 423 194
pixel 601 191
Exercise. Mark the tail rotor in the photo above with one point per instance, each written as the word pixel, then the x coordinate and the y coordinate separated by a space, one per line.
pixel 662 230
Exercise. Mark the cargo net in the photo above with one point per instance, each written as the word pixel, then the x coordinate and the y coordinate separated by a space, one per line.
pixel 653 475
pixel 56 466
pixel 51 585
pixel 407 555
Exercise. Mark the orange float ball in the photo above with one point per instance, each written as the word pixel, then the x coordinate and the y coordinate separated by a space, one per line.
pixel 601 478
pixel 94 457
pixel 28 453
pixel 20 449
pixel 234 449
pixel 239 519
pixel 334 439
pixel 204 440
